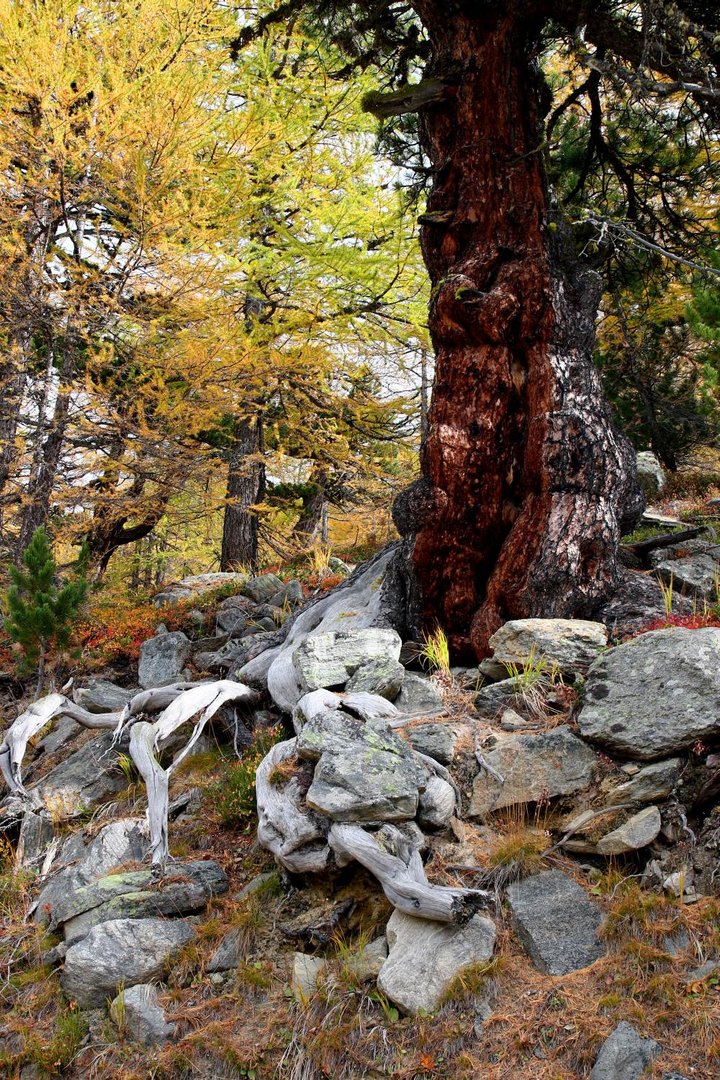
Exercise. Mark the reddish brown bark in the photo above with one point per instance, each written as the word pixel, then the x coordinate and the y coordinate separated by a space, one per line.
pixel 524 478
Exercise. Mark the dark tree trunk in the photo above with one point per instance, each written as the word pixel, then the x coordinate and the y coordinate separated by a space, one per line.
pixel 524 478
pixel 246 487
pixel 308 527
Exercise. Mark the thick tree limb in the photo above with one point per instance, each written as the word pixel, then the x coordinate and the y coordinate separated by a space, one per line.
pixel 405 883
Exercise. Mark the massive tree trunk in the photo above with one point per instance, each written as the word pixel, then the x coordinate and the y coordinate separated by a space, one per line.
pixel 246 487
pixel 524 478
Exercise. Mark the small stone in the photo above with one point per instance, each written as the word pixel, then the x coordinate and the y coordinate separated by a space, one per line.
pixel 263 587
pixel 556 922
pixel 637 832
pixel 512 721
pixel 425 957
pixel 306 972
pixel 437 804
pixel 228 954
pixel 650 473
pixel 367 962
pixel 137 1013
pixel 624 1055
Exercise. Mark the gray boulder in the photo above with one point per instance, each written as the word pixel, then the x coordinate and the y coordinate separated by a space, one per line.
pixel 82 779
pixel 437 804
pixel 418 695
pixel 263 587
pixel 137 1013
pixel 650 473
pixel 325 660
pixel 234 615
pixel 425 957
pixel 652 783
pixel 382 677
pixel 637 832
pixel 570 644
pixel 556 922
pixel 694 575
pixel 533 767
pixel 229 952
pixel 624 1055
pixel 36 835
pixel 121 953
pixel 120 842
pixel 437 740
pixel 162 659
pixel 362 774
pixel 99 696
pixel 655 695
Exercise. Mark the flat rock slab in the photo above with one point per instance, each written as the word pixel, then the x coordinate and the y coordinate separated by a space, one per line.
pixel 437 739
pixel 635 833
pixel 119 842
pixel 651 784
pixel 624 1055
pixel 655 695
pixel 325 660
pixel 121 953
pixel 569 644
pixel 362 774
pixel 534 767
pixel 418 695
pixel 424 958
pixel 556 922
pixel 197 585
pixel 162 659
pixel 138 1014
pixel 137 894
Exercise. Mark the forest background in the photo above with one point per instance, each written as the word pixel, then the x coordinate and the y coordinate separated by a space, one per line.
pixel 213 341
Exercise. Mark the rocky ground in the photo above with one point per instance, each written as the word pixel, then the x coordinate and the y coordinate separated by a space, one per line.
pixel 504 871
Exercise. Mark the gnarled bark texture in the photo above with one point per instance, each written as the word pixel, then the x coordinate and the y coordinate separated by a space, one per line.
pixel 246 487
pixel 524 478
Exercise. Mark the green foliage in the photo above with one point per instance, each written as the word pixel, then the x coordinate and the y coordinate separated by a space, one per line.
pixel 42 613
pixel 233 795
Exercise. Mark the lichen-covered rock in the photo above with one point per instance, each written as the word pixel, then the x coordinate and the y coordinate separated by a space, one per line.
pixel 362 774
pixel 570 644
pixel 138 1014
pixel 136 894
pixel 121 953
pixel 637 832
pixel 533 767
pixel 424 958
pixel 655 695
pixel 437 740
pixel 556 922
pixel 650 473
pixel 384 677
pixel 326 660
pixel 162 659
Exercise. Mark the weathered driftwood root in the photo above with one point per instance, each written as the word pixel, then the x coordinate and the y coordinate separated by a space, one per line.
pixel 297 837
pixel 404 883
pixel 179 704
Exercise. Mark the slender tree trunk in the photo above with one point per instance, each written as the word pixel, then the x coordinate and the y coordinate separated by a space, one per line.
pixel 49 440
pixel 12 383
pixel 524 478
pixel 245 488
